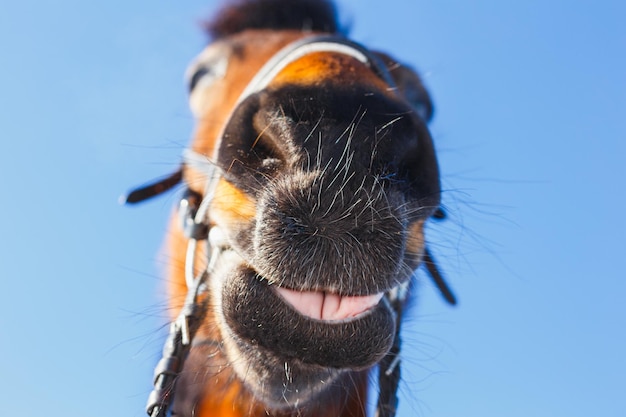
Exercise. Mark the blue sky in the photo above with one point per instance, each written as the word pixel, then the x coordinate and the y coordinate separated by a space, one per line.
pixel 530 128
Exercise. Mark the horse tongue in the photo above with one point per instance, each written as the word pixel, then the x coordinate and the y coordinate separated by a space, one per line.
pixel 325 306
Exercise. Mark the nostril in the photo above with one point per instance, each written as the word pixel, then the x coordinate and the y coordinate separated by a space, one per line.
pixel 253 149
pixel 266 149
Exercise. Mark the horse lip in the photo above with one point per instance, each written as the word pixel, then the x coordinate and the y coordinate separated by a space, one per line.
pixel 257 315
pixel 326 306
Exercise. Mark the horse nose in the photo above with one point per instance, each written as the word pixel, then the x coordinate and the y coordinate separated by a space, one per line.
pixel 337 238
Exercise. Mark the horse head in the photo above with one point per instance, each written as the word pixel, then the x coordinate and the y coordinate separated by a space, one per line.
pixel 311 174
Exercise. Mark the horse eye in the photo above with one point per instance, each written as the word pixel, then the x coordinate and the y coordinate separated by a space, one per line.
pixel 207 69
pixel 205 72
pixel 193 81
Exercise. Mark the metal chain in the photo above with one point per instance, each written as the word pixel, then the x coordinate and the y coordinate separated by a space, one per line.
pixel 175 351
pixel 184 328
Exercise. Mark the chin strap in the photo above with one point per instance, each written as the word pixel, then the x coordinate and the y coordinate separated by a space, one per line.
pixel 433 270
pixel 389 379
pixel 389 366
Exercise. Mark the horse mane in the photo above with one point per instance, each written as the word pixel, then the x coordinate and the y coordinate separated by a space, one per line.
pixel 305 15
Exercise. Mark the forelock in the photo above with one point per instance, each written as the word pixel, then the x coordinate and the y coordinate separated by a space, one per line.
pixel 305 15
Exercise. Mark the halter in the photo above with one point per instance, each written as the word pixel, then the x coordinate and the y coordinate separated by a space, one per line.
pixel 193 210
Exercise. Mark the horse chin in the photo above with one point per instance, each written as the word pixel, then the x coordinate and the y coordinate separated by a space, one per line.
pixel 284 357
pixel 280 383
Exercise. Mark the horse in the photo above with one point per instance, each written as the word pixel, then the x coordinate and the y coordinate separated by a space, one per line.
pixel 308 181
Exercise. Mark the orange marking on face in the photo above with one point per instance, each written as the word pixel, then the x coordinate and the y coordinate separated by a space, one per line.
pixel 415 242
pixel 233 401
pixel 230 205
pixel 174 258
pixel 319 67
pixel 175 263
